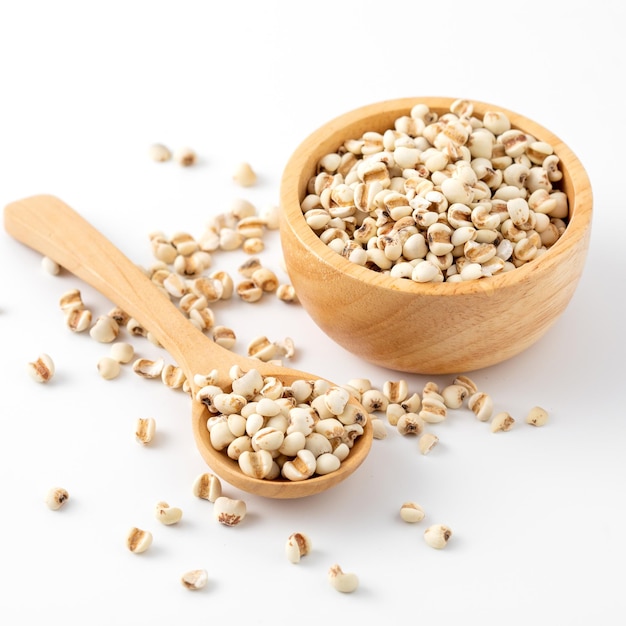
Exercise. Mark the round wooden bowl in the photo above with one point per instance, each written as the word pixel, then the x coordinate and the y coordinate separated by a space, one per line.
pixel 429 328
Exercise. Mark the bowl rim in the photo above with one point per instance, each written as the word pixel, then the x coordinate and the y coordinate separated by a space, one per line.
pixel 576 185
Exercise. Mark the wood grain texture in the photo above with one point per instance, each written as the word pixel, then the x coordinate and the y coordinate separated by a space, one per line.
pixel 51 227
pixel 429 328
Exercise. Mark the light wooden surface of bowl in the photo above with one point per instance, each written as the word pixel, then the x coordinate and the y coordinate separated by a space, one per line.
pixel 429 328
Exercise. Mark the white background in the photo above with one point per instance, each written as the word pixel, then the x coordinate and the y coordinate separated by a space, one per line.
pixel 537 514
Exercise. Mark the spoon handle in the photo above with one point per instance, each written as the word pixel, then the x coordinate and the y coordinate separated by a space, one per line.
pixel 52 228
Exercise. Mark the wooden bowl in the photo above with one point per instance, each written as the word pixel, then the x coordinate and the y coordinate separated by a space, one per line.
pixel 429 328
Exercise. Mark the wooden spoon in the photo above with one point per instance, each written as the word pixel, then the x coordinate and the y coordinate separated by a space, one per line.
pixel 49 226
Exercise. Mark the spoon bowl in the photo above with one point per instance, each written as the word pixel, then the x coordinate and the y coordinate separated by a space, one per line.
pixel 52 228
